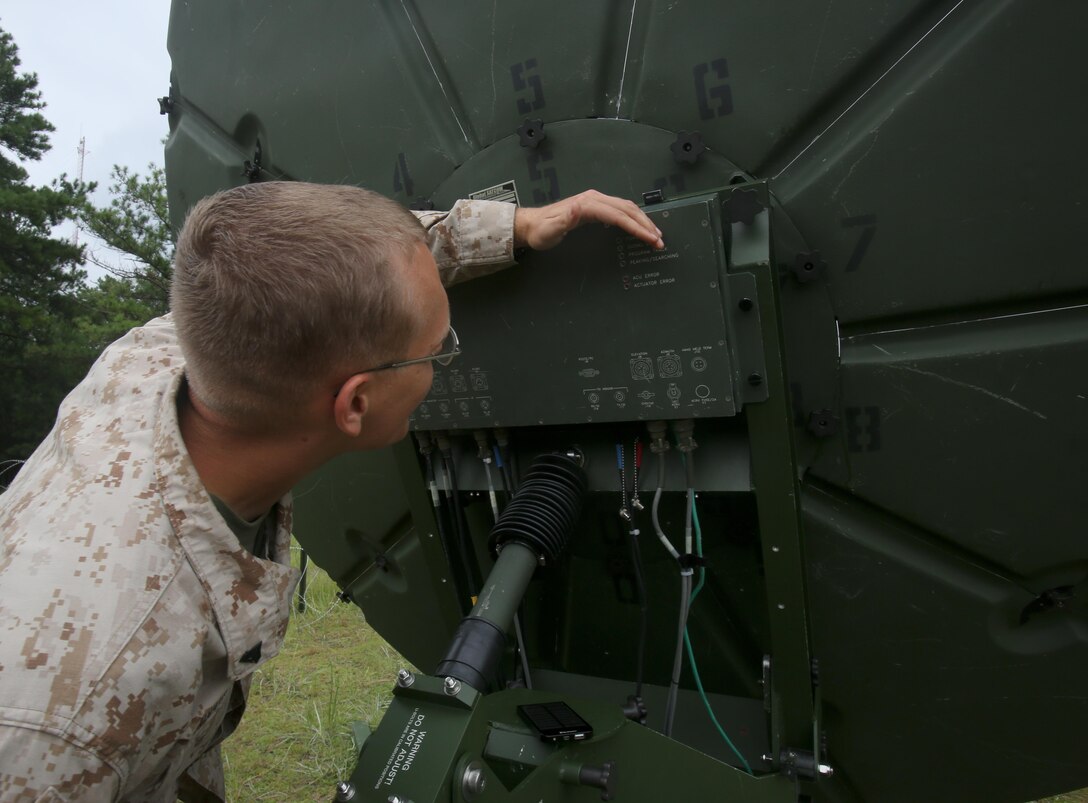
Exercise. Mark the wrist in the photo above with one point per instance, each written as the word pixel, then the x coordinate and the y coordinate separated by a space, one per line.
pixel 523 221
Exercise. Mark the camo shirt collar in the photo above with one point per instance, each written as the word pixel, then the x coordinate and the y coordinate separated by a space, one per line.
pixel 250 597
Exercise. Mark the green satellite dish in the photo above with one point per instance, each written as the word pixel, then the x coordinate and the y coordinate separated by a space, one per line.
pixel 871 306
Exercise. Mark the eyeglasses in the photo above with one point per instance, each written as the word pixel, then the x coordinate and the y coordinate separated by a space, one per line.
pixel 449 349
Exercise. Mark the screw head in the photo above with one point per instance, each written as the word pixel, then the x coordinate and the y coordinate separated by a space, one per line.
pixel 745 304
pixel 823 423
pixel 452 686
pixel 473 781
pixel 755 380
pixel 808 265
pixel 344 792
pixel 405 678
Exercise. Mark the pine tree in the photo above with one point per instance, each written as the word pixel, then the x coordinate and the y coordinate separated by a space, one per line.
pixel 139 239
pixel 39 273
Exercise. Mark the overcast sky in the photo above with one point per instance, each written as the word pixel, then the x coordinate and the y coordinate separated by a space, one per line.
pixel 101 64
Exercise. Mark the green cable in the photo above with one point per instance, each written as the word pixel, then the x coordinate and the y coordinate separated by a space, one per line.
pixel 691 652
pixel 709 710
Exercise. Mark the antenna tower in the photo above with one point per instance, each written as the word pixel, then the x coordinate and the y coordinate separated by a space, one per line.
pixel 82 151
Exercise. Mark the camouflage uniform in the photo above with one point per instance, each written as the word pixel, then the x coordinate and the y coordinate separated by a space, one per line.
pixel 131 618
pixel 473 239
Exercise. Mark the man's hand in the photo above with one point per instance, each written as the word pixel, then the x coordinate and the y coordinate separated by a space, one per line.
pixel 546 226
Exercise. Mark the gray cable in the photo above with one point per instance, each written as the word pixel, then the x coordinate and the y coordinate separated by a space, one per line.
pixel 653 509
pixel 685 601
pixel 678 660
pixel 689 542
pixel 491 490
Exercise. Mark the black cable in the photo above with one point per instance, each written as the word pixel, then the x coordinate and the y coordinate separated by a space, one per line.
pixel 508 474
pixel 515 473
pixel 501 465
pixel 449 547
pixel 628 516
pixel 502 438
pixel 643 607
pixel 468 554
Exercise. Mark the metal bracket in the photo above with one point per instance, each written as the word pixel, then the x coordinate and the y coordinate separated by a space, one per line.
pixel 801 764
pixel 252 169
pixel 750 365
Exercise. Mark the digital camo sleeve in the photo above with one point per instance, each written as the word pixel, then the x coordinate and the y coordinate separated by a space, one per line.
pixel 37 767
pixel 472 239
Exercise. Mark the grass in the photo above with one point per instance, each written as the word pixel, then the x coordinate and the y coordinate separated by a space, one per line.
pixel 294 742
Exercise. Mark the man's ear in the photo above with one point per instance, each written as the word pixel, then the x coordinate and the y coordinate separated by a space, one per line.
pixel 351 404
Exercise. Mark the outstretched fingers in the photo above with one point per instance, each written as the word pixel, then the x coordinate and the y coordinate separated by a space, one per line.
pixel 619 212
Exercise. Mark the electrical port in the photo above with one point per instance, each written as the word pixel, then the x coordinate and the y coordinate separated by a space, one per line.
pixel 669 365
pixel 642 368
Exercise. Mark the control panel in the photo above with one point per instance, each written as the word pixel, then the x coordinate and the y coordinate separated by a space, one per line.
pixel 602 328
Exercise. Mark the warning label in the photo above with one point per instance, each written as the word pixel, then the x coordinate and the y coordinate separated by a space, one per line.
pixel 507 192
pixel 406 750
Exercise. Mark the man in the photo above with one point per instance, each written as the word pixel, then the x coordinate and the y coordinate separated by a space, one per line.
pixel 144 546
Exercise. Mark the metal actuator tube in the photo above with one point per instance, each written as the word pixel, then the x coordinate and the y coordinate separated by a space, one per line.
pixel 532 531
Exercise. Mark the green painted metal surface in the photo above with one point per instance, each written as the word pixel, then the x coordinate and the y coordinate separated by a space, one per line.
pixel 906 480
pixel 427 739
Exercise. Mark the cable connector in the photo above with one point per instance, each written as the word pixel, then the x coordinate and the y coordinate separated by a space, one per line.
pixel 423 440
pixel 502 437
pixel 659 442
pixel 689 560
pixel 684 432
pixel 635 709
pixel 483 447
pixel 443 442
